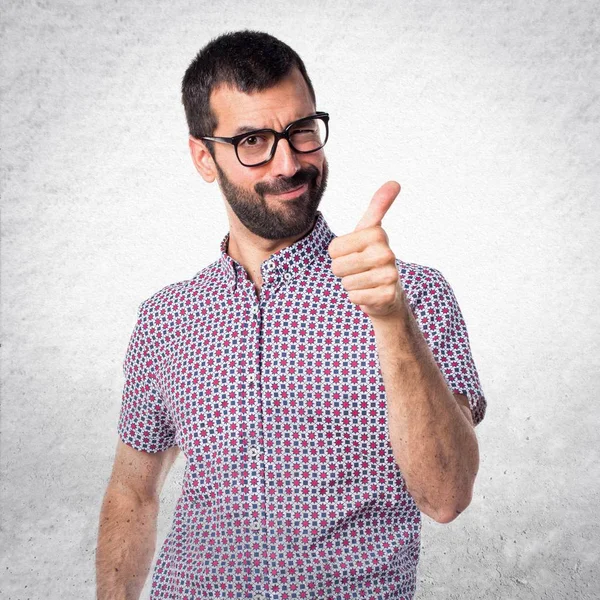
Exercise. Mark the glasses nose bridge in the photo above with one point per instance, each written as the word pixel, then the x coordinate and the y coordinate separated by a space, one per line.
pixel 281 135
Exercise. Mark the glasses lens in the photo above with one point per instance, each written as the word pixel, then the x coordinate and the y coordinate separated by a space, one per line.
pixel 255 147
pixel 308 135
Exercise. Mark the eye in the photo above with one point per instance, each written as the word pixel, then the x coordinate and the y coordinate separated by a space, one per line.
pixel 253 141
pixel 304 128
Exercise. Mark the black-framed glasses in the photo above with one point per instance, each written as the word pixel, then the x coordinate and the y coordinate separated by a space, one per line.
pixel 255 148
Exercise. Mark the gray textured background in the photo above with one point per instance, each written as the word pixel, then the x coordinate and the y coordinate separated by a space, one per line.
pixel 488 115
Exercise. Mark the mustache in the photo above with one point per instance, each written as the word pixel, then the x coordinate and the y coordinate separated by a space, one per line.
pixel 286 184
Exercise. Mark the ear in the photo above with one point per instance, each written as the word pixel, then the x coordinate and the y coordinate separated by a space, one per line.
pixel 203 161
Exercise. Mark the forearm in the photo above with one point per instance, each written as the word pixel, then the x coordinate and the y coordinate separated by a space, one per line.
pixel 126 544
pixel 433 443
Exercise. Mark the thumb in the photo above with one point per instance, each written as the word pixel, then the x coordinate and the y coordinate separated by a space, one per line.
pixel 379 205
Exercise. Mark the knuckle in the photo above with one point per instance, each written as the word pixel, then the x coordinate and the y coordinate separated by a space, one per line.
pixel 378 235
pixel 384 255
pixel 390 256
pixel 392 276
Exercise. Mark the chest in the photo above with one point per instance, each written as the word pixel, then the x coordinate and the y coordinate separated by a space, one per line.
pixel 300 366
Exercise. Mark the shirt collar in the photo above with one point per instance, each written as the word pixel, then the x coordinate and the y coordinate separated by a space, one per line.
pixel 287 262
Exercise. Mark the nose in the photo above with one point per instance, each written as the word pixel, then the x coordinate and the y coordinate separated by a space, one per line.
pixel 285 162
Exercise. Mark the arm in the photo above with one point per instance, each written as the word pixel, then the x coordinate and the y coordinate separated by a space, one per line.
pixel 127 527
pixel 432 439
pixel 430 428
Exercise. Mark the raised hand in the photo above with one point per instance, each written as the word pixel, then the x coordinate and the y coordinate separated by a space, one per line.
pixel 365 261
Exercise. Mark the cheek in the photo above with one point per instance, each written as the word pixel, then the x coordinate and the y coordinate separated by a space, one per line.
pixel 317 160
pixel 323 170
pixel 241 177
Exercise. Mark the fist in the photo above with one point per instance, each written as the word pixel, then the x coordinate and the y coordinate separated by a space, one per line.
pixel 365 262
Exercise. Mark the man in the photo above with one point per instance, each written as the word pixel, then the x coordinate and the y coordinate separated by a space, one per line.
pixel 322 390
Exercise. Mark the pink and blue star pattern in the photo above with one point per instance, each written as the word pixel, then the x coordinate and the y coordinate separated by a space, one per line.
pixel 277 401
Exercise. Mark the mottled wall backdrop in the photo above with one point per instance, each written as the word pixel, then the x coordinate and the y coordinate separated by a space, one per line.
pixel 488 115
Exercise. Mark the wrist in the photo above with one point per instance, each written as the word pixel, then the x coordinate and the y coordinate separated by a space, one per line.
pixel 401 318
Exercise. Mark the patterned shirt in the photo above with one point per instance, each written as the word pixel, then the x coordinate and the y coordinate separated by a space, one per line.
pixel 277 401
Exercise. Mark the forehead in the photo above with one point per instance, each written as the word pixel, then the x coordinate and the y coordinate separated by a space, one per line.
pixel 274 107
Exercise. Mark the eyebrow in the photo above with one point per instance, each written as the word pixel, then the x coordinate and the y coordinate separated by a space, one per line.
pixel 246 129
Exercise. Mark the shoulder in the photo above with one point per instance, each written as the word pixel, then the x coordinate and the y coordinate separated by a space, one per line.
pixel 180 294
pixel 419 281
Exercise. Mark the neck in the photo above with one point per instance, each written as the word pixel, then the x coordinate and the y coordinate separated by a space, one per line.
pixel 250 250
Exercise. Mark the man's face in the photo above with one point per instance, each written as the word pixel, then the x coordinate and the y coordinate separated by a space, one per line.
pixel 279 199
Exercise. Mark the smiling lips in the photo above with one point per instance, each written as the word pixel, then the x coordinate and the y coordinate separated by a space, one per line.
pixel 292 193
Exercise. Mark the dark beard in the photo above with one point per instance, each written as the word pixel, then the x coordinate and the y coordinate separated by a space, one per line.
pixel 296 217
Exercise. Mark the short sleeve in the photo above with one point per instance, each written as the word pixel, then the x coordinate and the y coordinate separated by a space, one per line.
pixel 144 421
pixel 440 320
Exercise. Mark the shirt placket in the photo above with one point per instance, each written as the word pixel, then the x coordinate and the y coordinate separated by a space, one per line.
pixel 276 277
pixel 257 518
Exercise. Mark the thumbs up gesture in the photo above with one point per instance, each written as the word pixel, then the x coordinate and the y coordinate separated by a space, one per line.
pixel 365 261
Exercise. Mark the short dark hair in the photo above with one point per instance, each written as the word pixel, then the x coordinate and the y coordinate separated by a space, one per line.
pixel 250 61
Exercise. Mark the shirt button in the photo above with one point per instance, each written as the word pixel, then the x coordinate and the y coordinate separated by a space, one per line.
pixel 253 451
pixel 255 310
pixel 252 378
pixel 288 276
pixel 254 525
pixel 259 596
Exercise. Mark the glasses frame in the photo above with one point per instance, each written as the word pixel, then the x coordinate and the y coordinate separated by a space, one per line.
pixel 279 135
